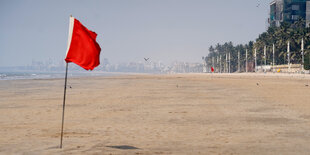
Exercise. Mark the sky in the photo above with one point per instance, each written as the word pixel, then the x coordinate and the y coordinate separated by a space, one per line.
pixel 128 30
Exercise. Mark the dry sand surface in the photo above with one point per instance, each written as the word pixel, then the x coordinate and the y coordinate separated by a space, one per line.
pixel 157 114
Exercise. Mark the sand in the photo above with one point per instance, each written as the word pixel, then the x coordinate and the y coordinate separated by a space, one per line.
pixel 157 114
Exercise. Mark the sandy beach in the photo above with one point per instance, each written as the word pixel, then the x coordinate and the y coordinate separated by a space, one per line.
pixel 157 114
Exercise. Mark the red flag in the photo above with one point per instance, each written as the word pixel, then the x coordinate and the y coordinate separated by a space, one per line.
pixel 83 49
pixel 212 69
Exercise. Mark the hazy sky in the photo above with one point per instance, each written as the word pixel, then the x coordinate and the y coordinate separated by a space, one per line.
pixel 128 30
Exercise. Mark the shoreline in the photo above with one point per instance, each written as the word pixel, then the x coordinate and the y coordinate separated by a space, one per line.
pixel 60 75
pixel 277 75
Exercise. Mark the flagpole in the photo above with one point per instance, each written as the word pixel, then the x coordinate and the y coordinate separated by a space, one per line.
pixel 220 63
pixel 229 62
pixel 63 106
pixel 273 50
pixel 303 57
pixel 246 60
pixel 265 57
pixel 217 63
pixel 255 61
pixel 238 61
pixel 288 56
pixel 226 64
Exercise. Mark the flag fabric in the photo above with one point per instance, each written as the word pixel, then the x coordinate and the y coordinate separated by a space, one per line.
pixel 83 48
pixel 212 69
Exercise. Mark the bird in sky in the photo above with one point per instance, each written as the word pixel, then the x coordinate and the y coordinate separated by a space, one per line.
pixel 258 4
pixel 146 59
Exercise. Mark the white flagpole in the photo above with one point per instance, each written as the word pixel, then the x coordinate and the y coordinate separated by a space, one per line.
pixel 273 50
pixel 255 61
pixel 288 56
pixel 265 57
pixel 303 56
pixel 226 66
pixel 229 62
pixel 239 61
pixel 220 63
pixel 246 60
pixel 217 63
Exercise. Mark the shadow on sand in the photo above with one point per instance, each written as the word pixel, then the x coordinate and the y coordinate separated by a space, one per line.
pixel 123 147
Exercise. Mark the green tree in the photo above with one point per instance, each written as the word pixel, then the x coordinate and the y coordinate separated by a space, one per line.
pixel 307 61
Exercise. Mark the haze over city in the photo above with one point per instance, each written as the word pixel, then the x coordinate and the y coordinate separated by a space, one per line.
pixel 128 31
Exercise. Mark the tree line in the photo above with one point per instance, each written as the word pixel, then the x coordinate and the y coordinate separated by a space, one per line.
pixel 277 36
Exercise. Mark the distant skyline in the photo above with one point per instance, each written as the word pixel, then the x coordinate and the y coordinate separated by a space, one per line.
pixel 128 30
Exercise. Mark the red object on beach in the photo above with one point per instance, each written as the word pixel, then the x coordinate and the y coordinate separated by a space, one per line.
pixel 83 48
pixel 212 69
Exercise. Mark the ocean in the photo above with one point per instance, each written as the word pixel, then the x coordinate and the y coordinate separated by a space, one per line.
pixel 48 75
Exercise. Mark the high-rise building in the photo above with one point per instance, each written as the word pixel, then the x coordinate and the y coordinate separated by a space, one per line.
pixel 289 11
pixel 276 13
